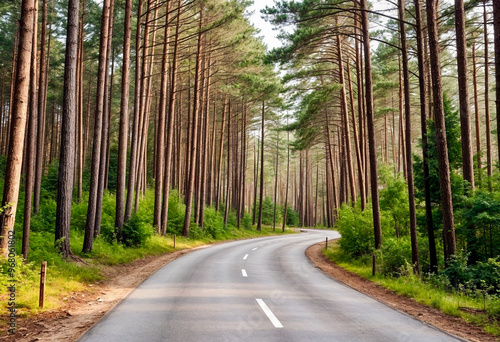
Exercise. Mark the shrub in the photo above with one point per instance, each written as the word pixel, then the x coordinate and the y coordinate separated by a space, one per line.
pixel 247 221
pixel 136 232
pixel 213 222
pixel 292 217
pixel 356 229
pixel 176 211
pixel 396 254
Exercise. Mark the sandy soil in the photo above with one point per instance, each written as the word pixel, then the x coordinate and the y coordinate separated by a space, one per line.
pixel 83 309
pixel 453 325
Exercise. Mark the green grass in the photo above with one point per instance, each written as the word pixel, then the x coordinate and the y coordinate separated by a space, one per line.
pixel 428 293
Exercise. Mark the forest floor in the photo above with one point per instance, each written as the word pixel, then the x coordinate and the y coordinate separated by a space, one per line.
pixel 452 325
pixel 84 309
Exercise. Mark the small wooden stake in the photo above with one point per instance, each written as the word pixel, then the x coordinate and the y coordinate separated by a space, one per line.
pixel 374 264
pixel 326 243
pixel 43 274
pixel 174 241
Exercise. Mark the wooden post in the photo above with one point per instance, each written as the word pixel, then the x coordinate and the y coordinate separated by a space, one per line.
pixel 43 274
pixel 326 243
pixel 374 264
pixel 174 241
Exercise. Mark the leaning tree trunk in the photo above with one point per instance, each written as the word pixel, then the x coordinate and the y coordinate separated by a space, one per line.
pixel 67 156
pixel 441 141
pixel 17 129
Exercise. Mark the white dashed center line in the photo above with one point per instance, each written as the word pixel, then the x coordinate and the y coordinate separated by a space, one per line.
pixel 244 273
pixel 255 248
pixel 245 257
pixel 269 313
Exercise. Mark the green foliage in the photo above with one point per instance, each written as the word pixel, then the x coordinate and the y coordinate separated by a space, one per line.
pixel 213 222
pixel 396 254
pixel 292 217
pixel 136 232
pixel 176 209
pixel 50 181
pixel 247 221
pixel 356 229
pixel 394 200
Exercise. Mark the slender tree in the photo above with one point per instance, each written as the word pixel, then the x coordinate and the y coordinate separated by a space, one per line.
pixel 18 125
pixel 67 150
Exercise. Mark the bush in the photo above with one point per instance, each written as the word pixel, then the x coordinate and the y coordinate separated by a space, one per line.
pixel 213 222
pixel 176 210
pixel 356 229
pixel 135 232
pixel 292 217
pixel 247 221
pixel 396 254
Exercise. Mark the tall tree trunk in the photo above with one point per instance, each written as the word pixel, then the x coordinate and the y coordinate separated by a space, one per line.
pixel 409 156
pixel 276 180
pixel 371 127
pixel 98 118
pixel 423 122
pixel 170 121
pixel 287 178
pixel 17 130
pixel 476 112
pixel 106 118
pixel 196 106
pixel 441 141
pixel 345 117
pixel 160 128
pixel 463 93
pixel 228 168
pixel 221 149
pixel 121 174
pixel 489 161
pixel 496 35
pixel 67 156
pixel 32 134
pixel 42 104
pixel 135 128
pixel 261 194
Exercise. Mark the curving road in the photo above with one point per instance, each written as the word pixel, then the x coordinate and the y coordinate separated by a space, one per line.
pixel 254 290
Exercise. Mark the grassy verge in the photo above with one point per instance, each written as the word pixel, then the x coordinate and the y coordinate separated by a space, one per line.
pixel 473 308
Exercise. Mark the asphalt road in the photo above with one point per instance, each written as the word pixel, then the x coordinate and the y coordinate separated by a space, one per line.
pixel 254 290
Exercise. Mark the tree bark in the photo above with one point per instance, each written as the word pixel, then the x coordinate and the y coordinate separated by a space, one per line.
pixel 261 194
pixel 409 156
pixel 67 156
pixel 371 127
pixel 489 161
pixel 98 118
pixel 32 134
pixel 441 140
pixel 463 93
pixel 121 174
pixel 423 122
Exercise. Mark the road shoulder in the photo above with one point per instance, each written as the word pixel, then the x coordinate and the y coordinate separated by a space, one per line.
pixel 453 325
